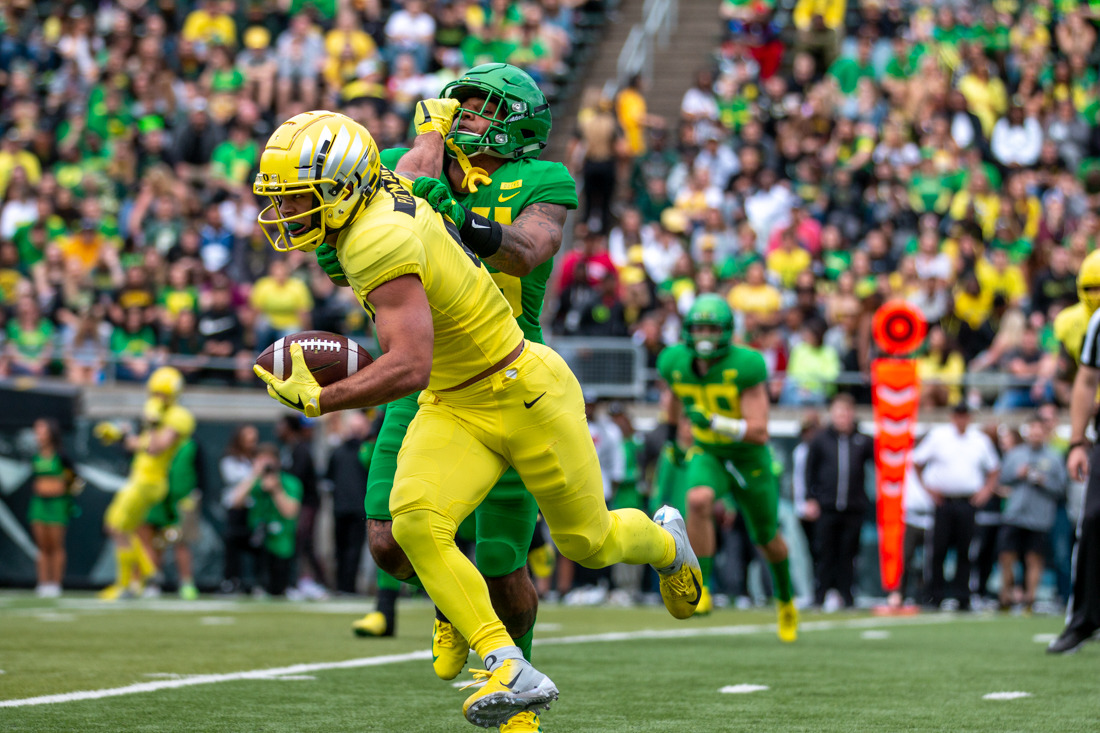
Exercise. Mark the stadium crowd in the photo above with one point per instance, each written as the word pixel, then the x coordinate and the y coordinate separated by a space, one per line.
pixel 131 132
pixel 836 155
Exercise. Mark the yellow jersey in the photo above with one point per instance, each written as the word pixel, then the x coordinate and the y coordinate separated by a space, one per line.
pixel 150 469
pixel 1069 328
pixel 397 234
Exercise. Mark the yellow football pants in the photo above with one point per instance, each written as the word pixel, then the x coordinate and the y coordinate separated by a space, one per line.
pixel 132 503
pixel 530 416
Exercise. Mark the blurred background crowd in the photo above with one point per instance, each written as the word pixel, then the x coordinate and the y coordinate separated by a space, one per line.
pixel 130 133
pixel 833 155
pixel 839 154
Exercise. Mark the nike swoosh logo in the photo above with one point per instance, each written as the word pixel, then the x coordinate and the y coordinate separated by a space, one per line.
pixel 326 366
pixel 475 225
pixel 698 591
pixel 502 198
pixel 531 404
pixel 296 405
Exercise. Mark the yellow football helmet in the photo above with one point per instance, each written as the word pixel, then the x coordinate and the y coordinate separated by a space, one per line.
pixel 325 154
pixel 166 382
pixel 1088 277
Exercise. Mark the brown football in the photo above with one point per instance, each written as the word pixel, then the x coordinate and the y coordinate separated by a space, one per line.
pixel 330 356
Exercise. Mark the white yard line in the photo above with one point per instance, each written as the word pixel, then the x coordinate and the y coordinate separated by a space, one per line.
pixel 302 669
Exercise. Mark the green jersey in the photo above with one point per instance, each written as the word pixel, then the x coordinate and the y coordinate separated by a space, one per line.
pixel 183 478
pixel 670 484
pixel 718 391
pixel 516 185
pixel 48 466
pixel 279 532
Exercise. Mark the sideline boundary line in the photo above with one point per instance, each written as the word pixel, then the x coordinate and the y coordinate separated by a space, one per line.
pixel 301 669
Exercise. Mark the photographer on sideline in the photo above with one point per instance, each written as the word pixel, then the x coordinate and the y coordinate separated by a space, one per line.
pixel 273 498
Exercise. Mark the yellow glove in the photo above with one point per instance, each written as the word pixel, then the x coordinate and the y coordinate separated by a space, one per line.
pixel 107 433
pixel 435 115
pixel 153 410
pixel 300 390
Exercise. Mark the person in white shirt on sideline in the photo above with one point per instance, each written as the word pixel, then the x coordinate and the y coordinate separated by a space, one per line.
pixel 959 468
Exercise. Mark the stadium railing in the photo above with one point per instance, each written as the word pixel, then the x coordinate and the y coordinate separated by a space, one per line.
pixel 659 18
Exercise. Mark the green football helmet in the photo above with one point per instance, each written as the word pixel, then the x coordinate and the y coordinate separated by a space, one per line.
pixel 522 130
pixel 708 310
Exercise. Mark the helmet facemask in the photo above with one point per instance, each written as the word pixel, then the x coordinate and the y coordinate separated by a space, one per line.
pixel 496 136
pixel 307 230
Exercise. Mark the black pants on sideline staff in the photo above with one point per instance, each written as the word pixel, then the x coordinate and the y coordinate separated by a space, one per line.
pixel 1083 614
pixel 953 527
pixel 599 188
pixel 274 571
pixel 351 532
pixel 236 547
pixel 837 540
pixel 910 576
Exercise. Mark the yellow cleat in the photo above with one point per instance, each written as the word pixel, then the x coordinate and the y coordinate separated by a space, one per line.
pixel 682 581
pixel 116 592
pixel 787 627
pixel 373 624
pixel 513 688
pixel 706 603
pixel 523 723
pixel 541 560
pixel 449 650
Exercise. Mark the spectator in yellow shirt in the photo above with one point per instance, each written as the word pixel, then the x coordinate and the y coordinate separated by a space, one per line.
pixel 346 46
pixel 788 260
pixel 210 23
pixel 977 202
pixel 634 117
pixel 755 298
pixel 283 303
pixel 985 96
pixel 941 371
pixel 997 275
pixel 13 154
pixel 971 305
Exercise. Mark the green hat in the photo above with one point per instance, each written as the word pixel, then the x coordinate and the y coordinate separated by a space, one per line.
pixel 708 310
pixel 520 130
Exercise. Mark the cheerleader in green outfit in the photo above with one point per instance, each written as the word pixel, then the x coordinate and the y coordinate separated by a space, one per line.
pixel 51 506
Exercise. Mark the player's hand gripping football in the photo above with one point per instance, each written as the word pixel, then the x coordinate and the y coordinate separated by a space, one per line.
pixel 300 390
pixel 699 417
pixel 330 263
pixel 435 115
pixel 436 193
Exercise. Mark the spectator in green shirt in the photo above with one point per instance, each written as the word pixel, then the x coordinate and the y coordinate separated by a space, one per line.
pixel 273 499
pixel 233 161
pixel 812 368
pixel 29 347
pixel 848 71
pixel 132 345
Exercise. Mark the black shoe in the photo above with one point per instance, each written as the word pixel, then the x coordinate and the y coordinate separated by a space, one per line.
pixel 1069 642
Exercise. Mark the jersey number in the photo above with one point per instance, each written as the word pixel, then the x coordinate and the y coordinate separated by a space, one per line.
pixel 509 285
pixel 721 398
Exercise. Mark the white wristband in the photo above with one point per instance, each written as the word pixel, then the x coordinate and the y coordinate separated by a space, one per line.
pixel 728 426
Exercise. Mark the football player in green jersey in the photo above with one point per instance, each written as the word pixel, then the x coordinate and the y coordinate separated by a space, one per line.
pixel 475 159
pixel 165 523
pixel 721 388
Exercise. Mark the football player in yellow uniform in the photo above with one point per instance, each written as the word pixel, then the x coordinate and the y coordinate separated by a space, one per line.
pixel 165 427
pixel 1078 330
pixel 490 398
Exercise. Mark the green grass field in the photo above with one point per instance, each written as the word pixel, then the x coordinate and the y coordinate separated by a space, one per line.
pixel 846 673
